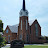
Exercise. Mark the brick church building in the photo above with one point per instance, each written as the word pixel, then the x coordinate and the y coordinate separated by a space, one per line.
pixel 29 32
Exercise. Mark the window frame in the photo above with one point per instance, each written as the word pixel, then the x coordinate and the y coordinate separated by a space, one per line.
pixel 36 29
pixel 7 31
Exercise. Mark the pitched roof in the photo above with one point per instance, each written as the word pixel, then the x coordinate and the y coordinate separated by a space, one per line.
pixel 32 21
pixel 14 28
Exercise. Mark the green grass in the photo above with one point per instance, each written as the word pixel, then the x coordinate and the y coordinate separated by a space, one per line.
pixel 35 46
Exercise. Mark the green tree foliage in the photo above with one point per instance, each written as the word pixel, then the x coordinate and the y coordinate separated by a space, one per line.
pixel 2 41
pixel 0 21
pixel 1 26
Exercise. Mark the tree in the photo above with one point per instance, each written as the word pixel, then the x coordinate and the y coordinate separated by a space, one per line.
pixel 0 21
pixel 1 26
pixel 2 41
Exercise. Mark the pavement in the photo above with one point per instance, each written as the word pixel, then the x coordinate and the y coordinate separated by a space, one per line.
pixel 7 45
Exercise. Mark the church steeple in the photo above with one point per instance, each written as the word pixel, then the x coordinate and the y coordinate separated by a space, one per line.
pixel 23 11
pixel 24 5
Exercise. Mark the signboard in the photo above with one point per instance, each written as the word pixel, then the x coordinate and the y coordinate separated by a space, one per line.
pixel 17 44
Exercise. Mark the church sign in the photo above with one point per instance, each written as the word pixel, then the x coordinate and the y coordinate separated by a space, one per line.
pixel 17 44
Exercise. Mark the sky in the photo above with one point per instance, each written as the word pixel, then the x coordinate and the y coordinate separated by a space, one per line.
pixel 38 9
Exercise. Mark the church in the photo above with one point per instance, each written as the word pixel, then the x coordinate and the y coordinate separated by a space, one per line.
pixel 29 32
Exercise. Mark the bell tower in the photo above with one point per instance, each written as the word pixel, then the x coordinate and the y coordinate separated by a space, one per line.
pixel 23 24
pixel 23 11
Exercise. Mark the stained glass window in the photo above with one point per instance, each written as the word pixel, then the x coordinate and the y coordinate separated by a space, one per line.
pixel 36 27
pixel 20 36
pixel 26 24
pixel 30 29
pixel 21 24
pixel 27 37
pixel 7 31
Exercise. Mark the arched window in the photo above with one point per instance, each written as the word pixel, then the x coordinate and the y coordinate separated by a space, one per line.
pixel 36 29
pixel 21 24
pixel 8 38
pixel 20 36
pixel 27 37
pixel 7 31
pixel 26 24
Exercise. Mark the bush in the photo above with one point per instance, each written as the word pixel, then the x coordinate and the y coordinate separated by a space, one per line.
pixel 2 41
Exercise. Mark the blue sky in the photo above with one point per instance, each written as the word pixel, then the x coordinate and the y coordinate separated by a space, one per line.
pixel 38 9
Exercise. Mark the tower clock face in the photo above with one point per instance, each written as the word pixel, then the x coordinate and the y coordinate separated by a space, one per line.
pixel 23 13
pixel 26 13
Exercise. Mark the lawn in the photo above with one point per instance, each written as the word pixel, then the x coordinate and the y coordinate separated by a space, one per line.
pixel 35 46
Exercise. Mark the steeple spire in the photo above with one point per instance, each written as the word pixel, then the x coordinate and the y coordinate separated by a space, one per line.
pixel 24 5
pixel 23 11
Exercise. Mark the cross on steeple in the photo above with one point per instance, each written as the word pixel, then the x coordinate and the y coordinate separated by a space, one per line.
pixel 24 5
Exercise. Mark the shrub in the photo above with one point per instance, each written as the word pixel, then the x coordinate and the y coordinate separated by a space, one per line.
pixel 2 41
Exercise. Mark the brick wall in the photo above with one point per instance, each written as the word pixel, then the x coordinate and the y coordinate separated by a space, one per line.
pixel 12 35
pixel 33 37
pixel 24 32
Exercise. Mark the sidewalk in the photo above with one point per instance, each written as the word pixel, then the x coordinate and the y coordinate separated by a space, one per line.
pixel 8 45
